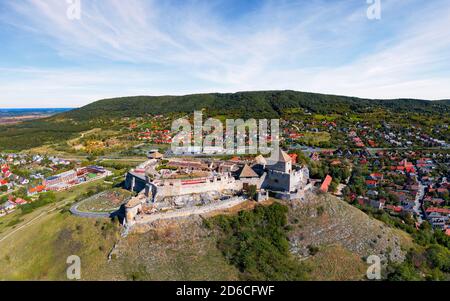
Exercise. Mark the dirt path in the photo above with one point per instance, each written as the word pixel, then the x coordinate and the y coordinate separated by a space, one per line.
pixel 33 220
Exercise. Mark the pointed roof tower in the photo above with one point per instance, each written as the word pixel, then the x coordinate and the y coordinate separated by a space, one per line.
pixel 283 156
pixel 248 172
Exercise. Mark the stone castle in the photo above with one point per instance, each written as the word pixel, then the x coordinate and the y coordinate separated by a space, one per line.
pixel 210 183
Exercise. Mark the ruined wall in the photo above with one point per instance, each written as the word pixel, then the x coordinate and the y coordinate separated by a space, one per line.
pixel 175 188
pixel 253 181
pixel 134 182
pixel 185 212
pixel 134 207
pixel 131 213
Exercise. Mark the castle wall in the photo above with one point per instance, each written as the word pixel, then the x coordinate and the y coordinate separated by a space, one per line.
pixel 286 182
pixel 134 182
pixel 131 213
pixel 176 188
pixel 151 191
pixel 133 207
pixel 278 181
pixel 180 213
pixel 252 182
pixel 280 166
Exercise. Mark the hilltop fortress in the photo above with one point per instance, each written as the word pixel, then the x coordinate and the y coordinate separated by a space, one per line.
pixel 182 187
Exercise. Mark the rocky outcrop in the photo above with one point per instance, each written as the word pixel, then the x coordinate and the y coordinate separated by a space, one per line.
pixel 324 220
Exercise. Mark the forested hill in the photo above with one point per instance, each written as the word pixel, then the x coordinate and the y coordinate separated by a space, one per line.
pixel 259 104
pixel 262 104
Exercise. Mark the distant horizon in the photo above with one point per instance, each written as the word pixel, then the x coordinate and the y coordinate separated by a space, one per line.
pixel 175 95
pixel 335 47
pixel 200 93
pixel 35 108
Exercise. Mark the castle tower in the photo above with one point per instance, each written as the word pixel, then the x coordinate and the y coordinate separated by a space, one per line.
pixel 283 162
pixel 286 160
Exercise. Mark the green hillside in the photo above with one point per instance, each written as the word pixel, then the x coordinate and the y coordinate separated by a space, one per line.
pixel 259 104
pixel 104 114
pixel 253 244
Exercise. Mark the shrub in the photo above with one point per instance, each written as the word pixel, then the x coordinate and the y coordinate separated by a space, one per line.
pixel 256 243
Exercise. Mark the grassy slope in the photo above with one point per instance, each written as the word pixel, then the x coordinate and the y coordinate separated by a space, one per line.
pixel 325 220
pixel 40 252
pixel 335 263
pixel 37 246
pixel 185 250
pixel 62 198
pixel 344 236
pixel 173 251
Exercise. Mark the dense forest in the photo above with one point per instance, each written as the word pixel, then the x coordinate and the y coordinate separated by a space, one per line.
pixel 260 104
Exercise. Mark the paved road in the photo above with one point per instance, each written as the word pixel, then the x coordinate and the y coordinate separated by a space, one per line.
pixel 74 210
pixel 370 149
pixel 418 203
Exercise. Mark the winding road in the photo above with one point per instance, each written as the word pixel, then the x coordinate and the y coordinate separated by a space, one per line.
pixel 418 203
pixel 74 210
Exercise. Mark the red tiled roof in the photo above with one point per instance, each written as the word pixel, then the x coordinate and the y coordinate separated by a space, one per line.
pixel 20 201
pixel 394 208
pixel 294 158
pixel 39 188
pixel 371 182
pixel 326 183
pixel 371 143
pixel 405 163
pixel 439 210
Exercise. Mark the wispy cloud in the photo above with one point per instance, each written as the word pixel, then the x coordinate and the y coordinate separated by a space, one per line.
pixel 176 47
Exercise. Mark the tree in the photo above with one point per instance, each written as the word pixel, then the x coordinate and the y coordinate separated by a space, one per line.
pixel 3 199
pixel 251 191
pixel 439 257
pixel 333 186
pixel 21 193
pixel 393 199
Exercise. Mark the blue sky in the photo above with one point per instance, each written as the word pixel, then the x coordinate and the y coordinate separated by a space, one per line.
pixel 145 47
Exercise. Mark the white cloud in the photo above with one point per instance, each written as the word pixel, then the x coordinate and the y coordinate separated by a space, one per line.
pixel 152 47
